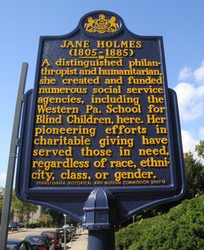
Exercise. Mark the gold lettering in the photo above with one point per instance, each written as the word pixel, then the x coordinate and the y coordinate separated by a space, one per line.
pixel 46 63
pixel 131 44
pixel 75 44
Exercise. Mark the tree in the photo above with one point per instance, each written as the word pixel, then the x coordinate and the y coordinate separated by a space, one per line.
pixel 57 217
pixel 200 149
pixel 194 176
pixel 1 199
pixel 22 210
pixel 46 220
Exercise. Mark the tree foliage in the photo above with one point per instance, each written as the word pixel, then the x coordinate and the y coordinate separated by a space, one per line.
pixel 22 210
pixel 200 149
pixel 1 199
pixel 194 176
pixel 57 218
pixel 181 228
pixel 194 173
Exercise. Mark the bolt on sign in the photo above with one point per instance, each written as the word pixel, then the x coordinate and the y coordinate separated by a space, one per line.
pixel 100 115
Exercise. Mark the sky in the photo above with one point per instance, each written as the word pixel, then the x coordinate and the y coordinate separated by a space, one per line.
pixel 180 23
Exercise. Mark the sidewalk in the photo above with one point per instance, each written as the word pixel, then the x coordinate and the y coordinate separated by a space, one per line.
pixel 81 243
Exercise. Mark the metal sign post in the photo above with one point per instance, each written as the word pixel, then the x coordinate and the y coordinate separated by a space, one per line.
pixel 12 160
pixel 100 214
pixel 65 232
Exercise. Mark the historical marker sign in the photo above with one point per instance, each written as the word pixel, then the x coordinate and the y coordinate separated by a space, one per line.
pixel 101 115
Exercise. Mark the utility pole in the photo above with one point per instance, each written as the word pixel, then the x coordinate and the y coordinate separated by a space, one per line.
pixel 12 159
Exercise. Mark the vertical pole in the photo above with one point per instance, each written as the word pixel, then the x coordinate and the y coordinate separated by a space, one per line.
pixel 65 232
pixel 100 218
pixel 12 159
pixel 102 239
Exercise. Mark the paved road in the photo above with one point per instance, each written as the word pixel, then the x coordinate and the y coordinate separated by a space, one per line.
pixel 80 243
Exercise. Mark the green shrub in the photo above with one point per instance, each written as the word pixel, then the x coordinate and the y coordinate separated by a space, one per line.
pixel 34 225
pixel 180 229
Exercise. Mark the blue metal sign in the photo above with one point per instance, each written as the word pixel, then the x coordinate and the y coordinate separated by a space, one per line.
pixel 101 116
